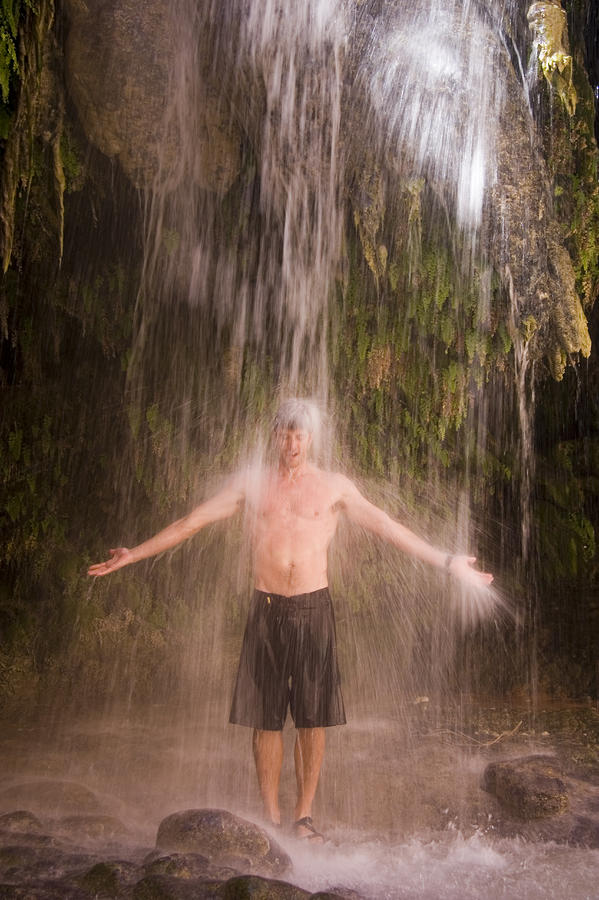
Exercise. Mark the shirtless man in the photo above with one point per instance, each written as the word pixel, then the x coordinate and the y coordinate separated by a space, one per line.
pixel 288 657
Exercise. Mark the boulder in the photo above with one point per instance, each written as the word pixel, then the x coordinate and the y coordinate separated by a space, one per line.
pixel 22 864
pixel 187 866
pixel 168 887
pixel 119 57
pixel 109 878
pixel 50 797
pixel 225 839
pixel 50 890
pixel 92 828
pixel 531 787
pixel 20 821
pixel 251 887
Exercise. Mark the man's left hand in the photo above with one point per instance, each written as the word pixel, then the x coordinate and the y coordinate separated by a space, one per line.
pixel 462 567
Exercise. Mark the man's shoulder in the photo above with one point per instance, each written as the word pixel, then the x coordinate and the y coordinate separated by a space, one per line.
pixel 336 482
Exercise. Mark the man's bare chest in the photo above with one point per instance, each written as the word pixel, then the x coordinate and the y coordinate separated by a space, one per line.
pixel 302 503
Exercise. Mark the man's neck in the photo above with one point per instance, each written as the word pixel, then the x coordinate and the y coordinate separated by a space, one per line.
pixel 292 474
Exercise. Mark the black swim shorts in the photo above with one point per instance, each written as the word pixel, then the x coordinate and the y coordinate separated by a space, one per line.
pixel 288 659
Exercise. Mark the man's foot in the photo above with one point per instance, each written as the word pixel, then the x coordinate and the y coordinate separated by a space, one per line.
pixel 304 830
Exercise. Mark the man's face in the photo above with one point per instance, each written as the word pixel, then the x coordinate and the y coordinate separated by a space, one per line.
pixel 293 445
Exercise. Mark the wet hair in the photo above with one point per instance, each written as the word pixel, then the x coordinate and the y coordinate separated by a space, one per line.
pixel 296 414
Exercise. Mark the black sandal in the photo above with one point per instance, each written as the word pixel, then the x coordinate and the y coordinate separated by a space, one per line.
pixel 307 823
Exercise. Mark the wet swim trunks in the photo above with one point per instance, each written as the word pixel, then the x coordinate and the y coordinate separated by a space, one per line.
pixel 288 659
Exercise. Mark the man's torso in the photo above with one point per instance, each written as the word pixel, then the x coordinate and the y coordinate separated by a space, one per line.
pixel 294 520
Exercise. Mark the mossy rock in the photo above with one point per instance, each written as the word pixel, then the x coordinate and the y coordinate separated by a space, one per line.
pixel 167 887
pixel 50 797
pixel 93 828
pixel 187 866
pixel 20 821
pixel 530 787
pixel 224 838
pixel 109 879
pixel 250 887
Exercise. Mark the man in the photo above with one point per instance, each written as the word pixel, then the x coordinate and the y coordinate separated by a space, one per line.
pixel 288 657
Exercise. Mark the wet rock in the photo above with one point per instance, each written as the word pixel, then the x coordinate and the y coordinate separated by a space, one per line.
pixel 109 879
pixel 29 839
pixel 574 830
pixel 20 821
pixel 242 887
pixel 167 887
pixel 22 864
pixel 531 787
pixel 338 893
pixel 118 60
pixel 14 858
pixel 584 832
pixel 92 828
pixel 245 887
pixel 225 839
pixel 50 797
pixel 42 891
pixel 187 865
pixel 519 229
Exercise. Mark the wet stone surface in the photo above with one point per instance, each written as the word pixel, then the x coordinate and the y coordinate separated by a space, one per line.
pixel 226 839
pixel 45 866
pixel 20 821
pixel 532 787
pixel 49 797
pixel 538 801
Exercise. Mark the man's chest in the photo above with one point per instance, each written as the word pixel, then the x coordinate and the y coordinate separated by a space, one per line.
pixel 303 503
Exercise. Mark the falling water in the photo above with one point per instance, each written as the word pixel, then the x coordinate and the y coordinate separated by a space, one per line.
pixel 250 289
pixel 238 304
pixel 268 290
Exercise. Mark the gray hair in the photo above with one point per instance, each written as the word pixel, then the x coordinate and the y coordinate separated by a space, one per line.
pixel 296 413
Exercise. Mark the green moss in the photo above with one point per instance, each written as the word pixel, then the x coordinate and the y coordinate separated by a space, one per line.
pixel 71 156
pixel 549 26
pixel 410 360
pixel 528 327
pixel 12 13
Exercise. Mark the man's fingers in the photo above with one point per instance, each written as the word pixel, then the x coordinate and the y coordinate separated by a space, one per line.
pixel 101 568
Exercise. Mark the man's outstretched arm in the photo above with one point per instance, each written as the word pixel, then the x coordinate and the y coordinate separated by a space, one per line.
pixel 221 506
pixel 369 516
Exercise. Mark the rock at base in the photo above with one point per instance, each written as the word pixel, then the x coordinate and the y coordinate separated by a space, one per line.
pixel 226 839
pixel 20 821
pixel 251 887
pixel 92 828
pixel 50 797
pixel 531 787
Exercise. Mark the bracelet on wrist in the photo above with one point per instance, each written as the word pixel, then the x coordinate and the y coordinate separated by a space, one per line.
pixel 448 561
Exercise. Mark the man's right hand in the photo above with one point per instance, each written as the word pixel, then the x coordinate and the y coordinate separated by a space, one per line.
pixel 118 558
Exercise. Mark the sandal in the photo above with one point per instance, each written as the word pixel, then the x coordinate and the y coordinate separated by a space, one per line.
pixel 307 823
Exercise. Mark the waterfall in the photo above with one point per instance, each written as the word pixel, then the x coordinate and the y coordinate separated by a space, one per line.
pixel 270 286
pixel 349 202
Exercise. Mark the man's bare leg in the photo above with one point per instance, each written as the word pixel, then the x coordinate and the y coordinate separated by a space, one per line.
pixel 308 754
pixel 268 756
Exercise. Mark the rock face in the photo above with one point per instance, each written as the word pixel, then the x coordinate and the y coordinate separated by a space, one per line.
pixel 223 837
pixel 519 230
pixel 531 787
pixel 118 66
